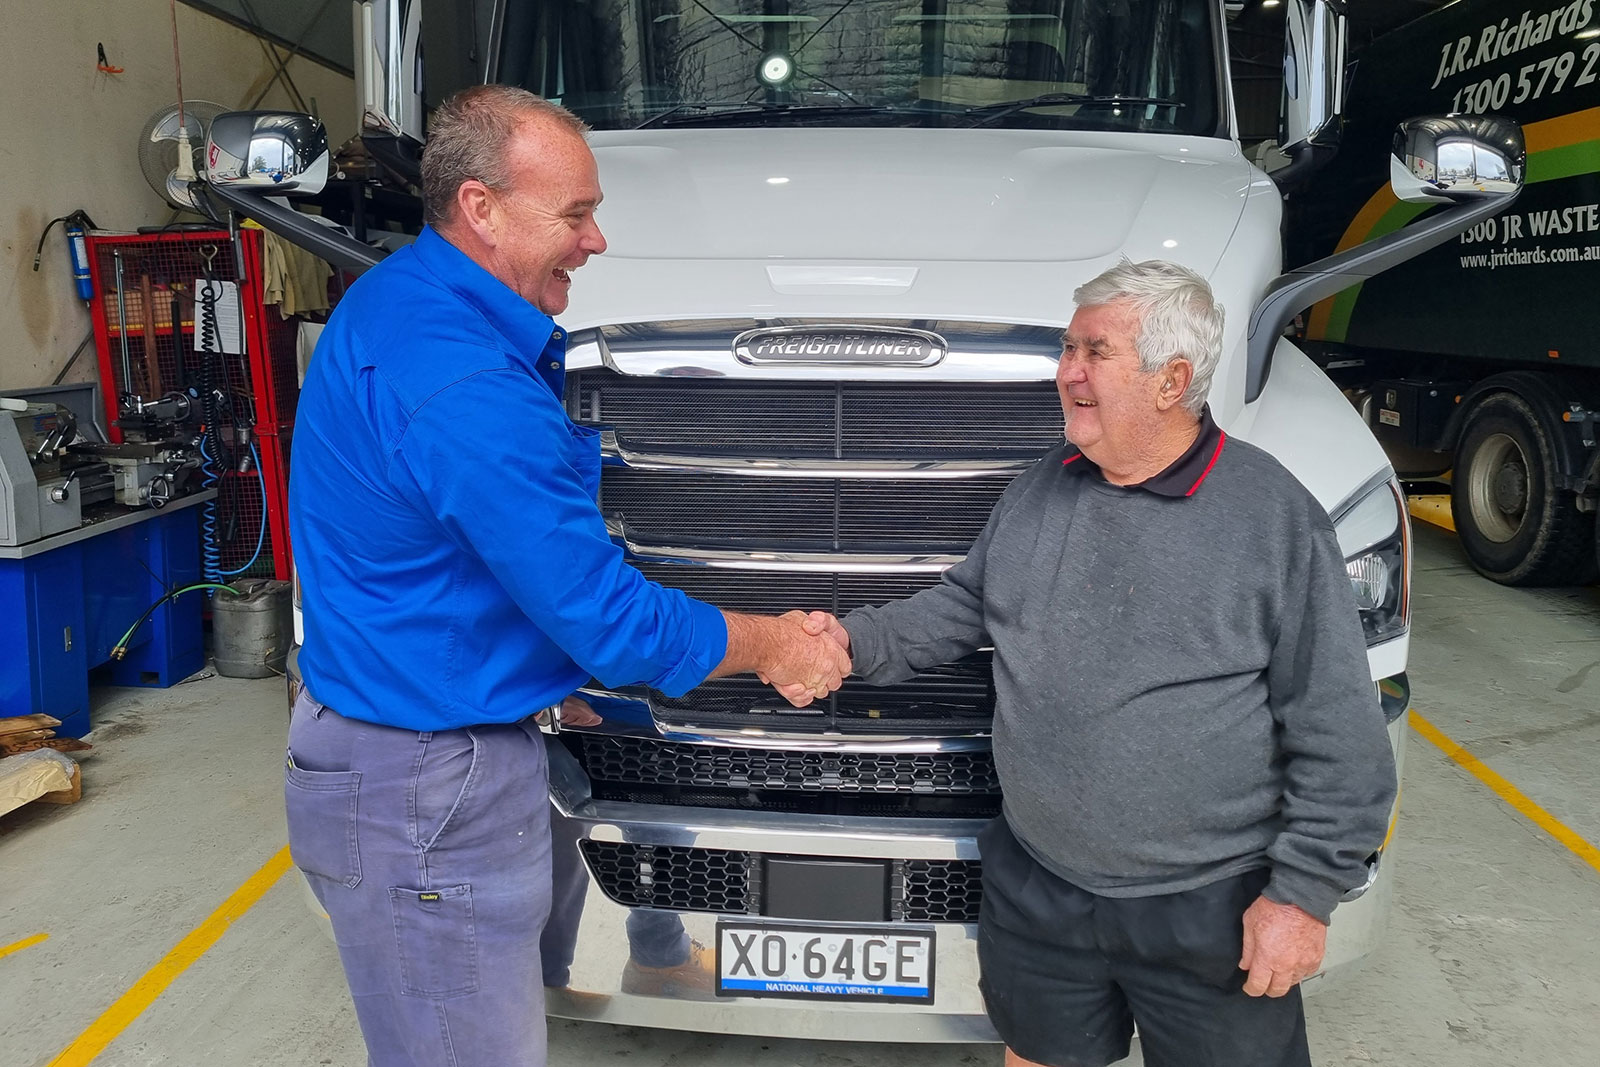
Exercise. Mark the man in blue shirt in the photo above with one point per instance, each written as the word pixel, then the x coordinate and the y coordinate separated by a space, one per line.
pixel 457 578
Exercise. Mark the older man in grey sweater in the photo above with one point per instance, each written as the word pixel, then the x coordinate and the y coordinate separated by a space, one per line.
pixel 1194 761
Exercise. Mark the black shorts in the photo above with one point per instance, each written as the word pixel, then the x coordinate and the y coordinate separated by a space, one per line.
pixel 1066 974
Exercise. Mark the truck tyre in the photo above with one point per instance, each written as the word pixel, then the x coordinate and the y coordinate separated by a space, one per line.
pixel 1517 525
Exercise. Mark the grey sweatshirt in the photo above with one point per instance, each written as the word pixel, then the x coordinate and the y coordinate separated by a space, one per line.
pixel 1182 688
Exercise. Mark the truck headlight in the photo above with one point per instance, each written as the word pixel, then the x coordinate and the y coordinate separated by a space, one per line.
pixel 1375 536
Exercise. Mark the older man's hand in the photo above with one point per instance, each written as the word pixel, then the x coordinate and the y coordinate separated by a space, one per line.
pixel 817 623
pixel 809 663
pixel 820 622
pixel 1283 946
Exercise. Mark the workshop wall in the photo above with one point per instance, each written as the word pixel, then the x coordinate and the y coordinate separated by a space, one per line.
pixel 69 141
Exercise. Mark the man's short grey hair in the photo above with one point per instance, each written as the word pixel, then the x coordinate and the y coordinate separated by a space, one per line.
pixel 469 136
pixel 1178 317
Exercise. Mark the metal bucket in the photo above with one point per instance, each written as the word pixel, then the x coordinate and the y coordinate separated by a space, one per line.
pixel 251 632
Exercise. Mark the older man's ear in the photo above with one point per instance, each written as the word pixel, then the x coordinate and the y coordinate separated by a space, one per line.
pixel 1175 379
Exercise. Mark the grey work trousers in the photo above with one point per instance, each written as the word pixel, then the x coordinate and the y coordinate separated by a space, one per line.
pixel 430 852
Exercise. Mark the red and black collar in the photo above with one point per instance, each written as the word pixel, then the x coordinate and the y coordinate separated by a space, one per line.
pixel 1186 473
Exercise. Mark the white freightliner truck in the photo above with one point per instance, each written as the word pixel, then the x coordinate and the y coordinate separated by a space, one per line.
pixel 844 235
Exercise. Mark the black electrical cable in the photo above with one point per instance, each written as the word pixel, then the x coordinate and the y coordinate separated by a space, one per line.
pixel 211 390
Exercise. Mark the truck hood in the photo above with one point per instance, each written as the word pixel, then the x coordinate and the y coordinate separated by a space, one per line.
pixel 979 224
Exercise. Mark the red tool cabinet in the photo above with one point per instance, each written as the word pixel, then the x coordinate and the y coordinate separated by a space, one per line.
pixel 158 282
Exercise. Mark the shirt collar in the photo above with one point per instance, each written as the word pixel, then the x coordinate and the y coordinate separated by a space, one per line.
pixel 527 330
pixel 1183 476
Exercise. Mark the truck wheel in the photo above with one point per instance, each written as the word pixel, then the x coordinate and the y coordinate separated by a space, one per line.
pixel 1515 523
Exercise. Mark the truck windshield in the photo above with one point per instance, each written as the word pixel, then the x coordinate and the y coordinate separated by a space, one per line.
pixel 1138 65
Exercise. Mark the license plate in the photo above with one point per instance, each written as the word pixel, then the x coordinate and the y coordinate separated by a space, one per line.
pixel 824 962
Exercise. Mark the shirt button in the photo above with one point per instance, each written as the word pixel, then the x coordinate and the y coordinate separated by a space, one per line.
pixel 554 365
pixel 556 335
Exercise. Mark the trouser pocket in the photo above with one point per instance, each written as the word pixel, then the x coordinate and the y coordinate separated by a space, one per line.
pixel 444 787
pixel 1012 882
pixel 1199 930
pixel 438 941
pixel 322 806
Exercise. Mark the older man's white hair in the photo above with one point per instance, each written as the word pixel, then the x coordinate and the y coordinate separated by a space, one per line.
pixel 1178 317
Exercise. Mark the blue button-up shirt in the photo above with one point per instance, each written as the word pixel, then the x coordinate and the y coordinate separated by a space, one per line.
pixel 454 567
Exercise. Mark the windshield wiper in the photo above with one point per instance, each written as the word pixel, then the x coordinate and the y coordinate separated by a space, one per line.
pixel 987 113
pixel 742 113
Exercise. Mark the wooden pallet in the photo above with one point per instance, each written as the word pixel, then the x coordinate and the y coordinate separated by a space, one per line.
pixel 60 744
pixel 25 733
pixel 18 724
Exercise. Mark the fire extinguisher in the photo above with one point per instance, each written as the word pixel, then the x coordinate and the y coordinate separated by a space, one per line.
pixel 76 226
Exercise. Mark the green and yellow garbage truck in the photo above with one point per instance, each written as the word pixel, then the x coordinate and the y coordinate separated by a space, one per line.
pixel 1481 357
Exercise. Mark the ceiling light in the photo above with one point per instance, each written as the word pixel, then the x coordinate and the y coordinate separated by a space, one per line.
pixel 776 68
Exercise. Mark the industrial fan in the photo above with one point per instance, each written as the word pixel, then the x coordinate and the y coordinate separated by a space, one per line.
pixel 172 151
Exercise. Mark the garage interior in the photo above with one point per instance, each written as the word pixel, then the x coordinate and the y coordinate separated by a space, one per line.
pixel 150 912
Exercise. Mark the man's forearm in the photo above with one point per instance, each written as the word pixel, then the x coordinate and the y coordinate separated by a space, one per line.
pixel 802 665
pixel 753 644
pixel 895 641
pixel 1338 770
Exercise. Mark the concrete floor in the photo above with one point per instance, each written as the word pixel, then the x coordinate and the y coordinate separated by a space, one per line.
pixel 1493 956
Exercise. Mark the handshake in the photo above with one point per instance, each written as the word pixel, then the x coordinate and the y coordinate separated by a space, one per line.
pixel 803 656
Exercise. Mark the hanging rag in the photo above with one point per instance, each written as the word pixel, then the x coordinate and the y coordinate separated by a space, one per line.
pixel 292 278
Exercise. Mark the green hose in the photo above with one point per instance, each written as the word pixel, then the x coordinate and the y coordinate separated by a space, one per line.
pixel 120 649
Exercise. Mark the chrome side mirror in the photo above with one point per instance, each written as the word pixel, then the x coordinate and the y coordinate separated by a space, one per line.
pixel 278 152
pixel 1457 159
pixel 1474 163
pixel 1313 73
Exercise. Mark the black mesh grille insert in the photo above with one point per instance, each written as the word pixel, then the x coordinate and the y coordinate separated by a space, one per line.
pixel 942 891
pixel 774 592
pixel 815 513
pixel 821 419
pixel 956 698
pixel 670 877
pixel 681 878
pixel 646 761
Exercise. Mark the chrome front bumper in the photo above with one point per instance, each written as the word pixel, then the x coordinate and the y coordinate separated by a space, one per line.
pixel 598 945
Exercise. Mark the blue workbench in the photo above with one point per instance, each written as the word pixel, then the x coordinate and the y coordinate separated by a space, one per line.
pixel 65 601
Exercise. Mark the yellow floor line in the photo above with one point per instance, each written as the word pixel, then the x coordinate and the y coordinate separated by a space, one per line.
pixel 18 946
pixel 1508 792
pixel 131 1004
pixel 1394 818
pixel 1433 509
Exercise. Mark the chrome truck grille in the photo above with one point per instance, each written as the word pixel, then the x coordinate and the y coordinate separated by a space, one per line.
pixel 834 420
pixel 819 514
pixel 763 593
pixel 955 698
pixel 762 488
